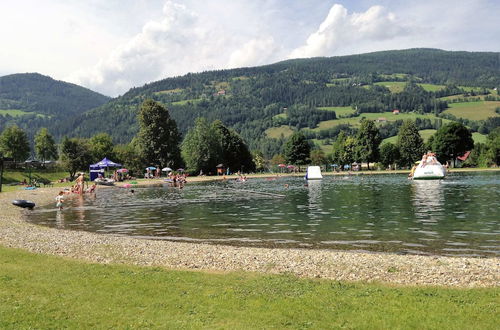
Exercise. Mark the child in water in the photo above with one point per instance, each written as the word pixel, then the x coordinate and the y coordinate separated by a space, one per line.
pixel 60 200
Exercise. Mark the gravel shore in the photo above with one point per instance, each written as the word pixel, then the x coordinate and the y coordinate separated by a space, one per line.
pixel 337 265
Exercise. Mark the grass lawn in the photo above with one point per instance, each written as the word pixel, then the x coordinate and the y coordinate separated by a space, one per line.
pixel 425 134
pixel 39 291
pixel 354 121
pixel 19 113
pixel 170 91
pixel 184 102
pixel 327 148
pixel 478 110
pixel 398 86
pixel 277 132
pixel 339 111
pixel 478 137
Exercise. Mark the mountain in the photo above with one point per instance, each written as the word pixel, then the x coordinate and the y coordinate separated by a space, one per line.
pixel 32 100
pixel 319 96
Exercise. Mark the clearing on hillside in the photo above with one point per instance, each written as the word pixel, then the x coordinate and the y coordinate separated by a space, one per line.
pixel 278 132
pixel 478 110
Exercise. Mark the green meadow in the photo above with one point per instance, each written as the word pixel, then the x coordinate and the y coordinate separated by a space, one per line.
pixel 42 292
pixel 278 132
pixel 398 86
pixel 339 111
pixel 18 113
pixel 388 116
pixel 478 110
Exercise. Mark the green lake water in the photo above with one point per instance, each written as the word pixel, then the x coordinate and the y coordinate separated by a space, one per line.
pixel 456 216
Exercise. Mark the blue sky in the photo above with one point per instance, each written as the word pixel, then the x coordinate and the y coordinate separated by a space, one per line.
pixel 113 45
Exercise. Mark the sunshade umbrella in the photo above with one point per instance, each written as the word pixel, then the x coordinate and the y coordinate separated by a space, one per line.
pixel 166 169
pixel 152 168
pixel 122 170
pixel 282 165
pixel 290 166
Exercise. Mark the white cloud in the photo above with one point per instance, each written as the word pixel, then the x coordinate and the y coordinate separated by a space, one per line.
pixel 113 45
pixel 184 40
pixel 341 29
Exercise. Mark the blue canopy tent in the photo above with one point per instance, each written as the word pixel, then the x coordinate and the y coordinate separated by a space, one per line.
pixel 99 168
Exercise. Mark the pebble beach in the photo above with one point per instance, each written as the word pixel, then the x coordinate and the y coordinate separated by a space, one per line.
pixel 328 264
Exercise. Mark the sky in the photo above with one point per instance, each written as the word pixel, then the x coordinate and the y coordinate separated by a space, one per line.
pixel 111 46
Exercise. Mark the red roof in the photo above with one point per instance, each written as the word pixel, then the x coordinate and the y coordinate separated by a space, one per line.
pixel 463 158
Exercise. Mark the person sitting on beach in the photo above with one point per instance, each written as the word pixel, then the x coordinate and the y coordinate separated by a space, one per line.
pixel 60 200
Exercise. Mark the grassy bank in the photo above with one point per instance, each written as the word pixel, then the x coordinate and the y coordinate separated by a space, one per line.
pixel 39 291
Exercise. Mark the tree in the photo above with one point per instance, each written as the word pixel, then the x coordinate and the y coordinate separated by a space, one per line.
pixel 318 157
pixel 45 146
pixel 158 137
pixel 297 149
pixel 14 143
pixel 389 154
pixel 235 153
pixel 278 159
pixel 409 143
pixel 75 155
pixel 493 145
pixel 452 140
pixel 259 160
pixel 368 139
pixel 101 145
pixel 129 156
pixel 201 148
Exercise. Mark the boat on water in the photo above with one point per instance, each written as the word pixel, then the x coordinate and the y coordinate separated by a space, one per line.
pixel 429 171
pixel 313 173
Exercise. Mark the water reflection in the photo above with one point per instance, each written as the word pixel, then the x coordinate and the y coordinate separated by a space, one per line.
pixel 456 216
pixel 428 199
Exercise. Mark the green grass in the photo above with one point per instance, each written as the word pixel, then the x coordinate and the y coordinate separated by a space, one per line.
pixel 327 148
pixel 339 111
pixel 184 102
pixel 478 137
pixel 19 113
pixel 389 116
pixel 170 91
pixel 281 115
pixel 425 134
pixel 39 291
pixel 398 86
pixel 277 132
pixel 20 175
pixel 478 110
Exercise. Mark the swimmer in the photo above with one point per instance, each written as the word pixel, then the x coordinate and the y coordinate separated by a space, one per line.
pixel 60 200
pixel 286 186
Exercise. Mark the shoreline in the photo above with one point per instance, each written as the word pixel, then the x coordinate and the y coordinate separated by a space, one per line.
pixel 315 263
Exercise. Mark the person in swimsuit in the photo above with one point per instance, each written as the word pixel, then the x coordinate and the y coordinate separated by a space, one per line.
pixel 60 200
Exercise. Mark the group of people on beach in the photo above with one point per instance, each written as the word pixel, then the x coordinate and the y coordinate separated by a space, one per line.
pixel 77 188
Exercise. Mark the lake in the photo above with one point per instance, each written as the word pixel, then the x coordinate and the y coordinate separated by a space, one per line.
pixel 385 213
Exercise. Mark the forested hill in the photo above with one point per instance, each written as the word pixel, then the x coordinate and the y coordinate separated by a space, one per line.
pixel 32 100
pixel 318 96
pixel 33 92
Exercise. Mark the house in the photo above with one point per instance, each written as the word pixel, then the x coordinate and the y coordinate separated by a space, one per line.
pixel 395 112
pixel 461 159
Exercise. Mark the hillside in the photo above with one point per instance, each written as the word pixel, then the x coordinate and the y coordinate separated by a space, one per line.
pixel 32 100
pixel 319 96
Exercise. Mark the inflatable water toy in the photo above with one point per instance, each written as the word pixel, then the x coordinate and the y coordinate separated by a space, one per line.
pixel 24 203
pixel 313 173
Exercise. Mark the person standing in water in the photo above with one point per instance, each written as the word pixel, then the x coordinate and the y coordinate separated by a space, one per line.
pixel 80 181
pixel 60 200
